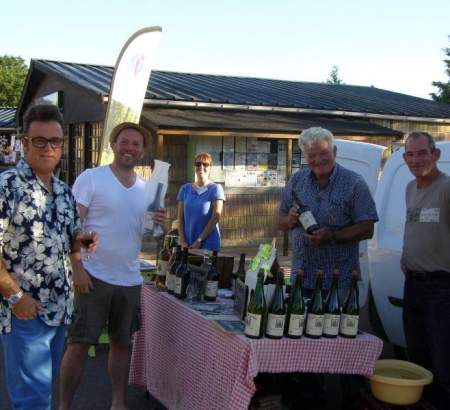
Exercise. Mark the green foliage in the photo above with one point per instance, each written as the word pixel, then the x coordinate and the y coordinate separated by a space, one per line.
pixel 334 76
pixel 443 94
pixel 13 72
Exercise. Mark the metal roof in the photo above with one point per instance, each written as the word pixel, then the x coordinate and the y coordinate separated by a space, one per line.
pixel 7 117
pixel 220 89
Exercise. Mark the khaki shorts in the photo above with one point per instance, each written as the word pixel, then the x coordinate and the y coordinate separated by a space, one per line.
pixel 112 306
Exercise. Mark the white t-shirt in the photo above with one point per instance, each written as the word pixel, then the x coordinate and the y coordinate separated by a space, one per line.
pixel 116 214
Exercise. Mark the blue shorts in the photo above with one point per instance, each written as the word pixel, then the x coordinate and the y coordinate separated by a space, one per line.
pixel 33 352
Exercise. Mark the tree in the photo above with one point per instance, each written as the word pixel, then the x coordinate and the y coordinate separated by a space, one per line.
pixel 443 94
pixel 334 76
pixel 13 72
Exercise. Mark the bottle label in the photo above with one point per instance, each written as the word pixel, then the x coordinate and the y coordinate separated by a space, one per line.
pixel 349 325
pixel 163 267
pixel 169 281
pixel 148 221
pixel 314 325
pixel 211 288
pixel 307 219
pixel 177 285
pixel 331 324
pixel 275 325
pixel 252 324
pixel 296 325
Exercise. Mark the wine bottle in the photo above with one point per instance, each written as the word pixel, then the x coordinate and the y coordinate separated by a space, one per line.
pixel 175 259
pixel 295 317
pixel 305 216
pixel 182 276
pixel 277 310
pixel 240 273
pixel 256 309
pixel 212 280
pixel 332 309
pixel 314 319
pixel 350 310
pixel 150 227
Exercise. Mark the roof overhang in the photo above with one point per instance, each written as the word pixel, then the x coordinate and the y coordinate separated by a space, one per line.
pixel 192 121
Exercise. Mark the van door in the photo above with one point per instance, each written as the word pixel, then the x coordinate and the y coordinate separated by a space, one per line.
pixel 386 277
pixel 364 159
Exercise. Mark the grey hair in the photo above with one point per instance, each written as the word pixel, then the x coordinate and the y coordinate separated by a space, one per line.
pixel 418 134
pixel 313 135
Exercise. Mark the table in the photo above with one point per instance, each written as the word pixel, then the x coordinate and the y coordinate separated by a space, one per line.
pixel 187 362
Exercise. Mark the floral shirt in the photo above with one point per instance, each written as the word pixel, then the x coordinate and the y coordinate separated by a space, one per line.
pixel 36 231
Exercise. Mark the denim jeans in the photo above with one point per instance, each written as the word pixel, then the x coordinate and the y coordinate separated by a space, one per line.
pixel 426 318
pixel 33 353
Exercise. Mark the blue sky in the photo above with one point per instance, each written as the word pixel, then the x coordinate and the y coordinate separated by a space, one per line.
pixel 395 45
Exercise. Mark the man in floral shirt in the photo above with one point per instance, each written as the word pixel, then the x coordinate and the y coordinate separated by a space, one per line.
pixel 38 222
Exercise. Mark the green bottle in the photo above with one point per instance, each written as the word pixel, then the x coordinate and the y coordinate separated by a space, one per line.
pixel 256 310
pixel 277 310
pixel 350 310
pixel 182 277
pixel 332 309
pixel 295 317
pixel 314 320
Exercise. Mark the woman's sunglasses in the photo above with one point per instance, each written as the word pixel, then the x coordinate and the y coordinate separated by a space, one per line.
pixel 205 164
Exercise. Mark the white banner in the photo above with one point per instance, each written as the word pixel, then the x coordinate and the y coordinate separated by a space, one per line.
pixel 129 84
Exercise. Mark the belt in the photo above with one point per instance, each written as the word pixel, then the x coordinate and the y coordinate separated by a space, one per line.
pixel 440 274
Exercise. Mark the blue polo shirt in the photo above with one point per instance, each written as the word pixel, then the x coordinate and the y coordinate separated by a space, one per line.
pixel 197 206
pixel 344 201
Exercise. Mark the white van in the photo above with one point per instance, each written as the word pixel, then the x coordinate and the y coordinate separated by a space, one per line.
pixel 382 281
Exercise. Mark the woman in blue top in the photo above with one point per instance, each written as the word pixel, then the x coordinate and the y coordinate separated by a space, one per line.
pixel 199 208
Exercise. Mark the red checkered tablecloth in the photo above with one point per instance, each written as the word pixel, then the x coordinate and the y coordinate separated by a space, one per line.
pixel 186 362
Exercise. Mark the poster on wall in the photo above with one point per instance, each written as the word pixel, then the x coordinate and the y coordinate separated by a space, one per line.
pixel 240 161
pixel 228 160
pixel 263 161
pixel 252 161
pixel 228 144
pixel 252 145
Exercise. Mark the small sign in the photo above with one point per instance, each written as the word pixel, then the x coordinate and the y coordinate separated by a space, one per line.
pixel 240 299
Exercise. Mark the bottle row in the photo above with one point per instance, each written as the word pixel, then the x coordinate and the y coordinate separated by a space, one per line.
pixel 320 317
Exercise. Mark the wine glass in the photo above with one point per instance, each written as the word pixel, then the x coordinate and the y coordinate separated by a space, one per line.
pixel 86 237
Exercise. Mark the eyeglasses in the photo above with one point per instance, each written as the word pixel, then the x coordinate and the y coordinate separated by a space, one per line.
pixel 205 164
pixel 41 142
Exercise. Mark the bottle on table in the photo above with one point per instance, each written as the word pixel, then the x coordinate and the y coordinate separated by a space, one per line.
pixel 150 227
pixel 277 310
pixel 174 263
pixel 350 310
pixel 332 309
pixel 314 319
pixel 212 280
pixel 296 312
pixel 163 265
pixel 182 276
pixel 256 310
pixel 240 273
pixel 305 217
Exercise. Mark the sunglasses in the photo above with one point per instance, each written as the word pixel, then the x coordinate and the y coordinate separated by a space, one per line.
pixel 41 142
pixel 205 164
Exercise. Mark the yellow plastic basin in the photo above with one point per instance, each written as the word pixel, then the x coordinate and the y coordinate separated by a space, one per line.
pixel 399 382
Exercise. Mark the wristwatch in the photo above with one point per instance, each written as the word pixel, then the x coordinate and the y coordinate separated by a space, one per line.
pixel 15 297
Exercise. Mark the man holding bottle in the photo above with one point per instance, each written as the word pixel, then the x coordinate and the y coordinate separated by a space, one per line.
pixel 339 201
pixel 328 209
pixel 426 264
pixel 111 200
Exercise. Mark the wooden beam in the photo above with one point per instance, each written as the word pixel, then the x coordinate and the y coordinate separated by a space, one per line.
pixel 288 174
pixel 159 152
pixel 223 133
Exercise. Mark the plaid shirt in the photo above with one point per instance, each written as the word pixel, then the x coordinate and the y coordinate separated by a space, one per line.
pixel 36 231
pixel 345 201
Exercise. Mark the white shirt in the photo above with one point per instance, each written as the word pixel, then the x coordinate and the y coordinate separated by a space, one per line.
pixel 116 214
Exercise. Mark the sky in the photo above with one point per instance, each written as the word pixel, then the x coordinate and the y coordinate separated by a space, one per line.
pixel 391 44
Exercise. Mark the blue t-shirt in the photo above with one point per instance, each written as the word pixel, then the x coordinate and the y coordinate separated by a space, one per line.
pixel 198 209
